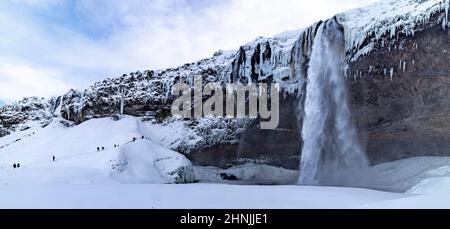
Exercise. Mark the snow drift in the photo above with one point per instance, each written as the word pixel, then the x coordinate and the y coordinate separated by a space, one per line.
pixel 146 162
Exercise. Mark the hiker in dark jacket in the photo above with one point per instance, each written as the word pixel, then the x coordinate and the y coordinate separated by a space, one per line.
pixel 103 148
pixel 54 158
pixel 18 165
pixel 98 148
pixel 14 166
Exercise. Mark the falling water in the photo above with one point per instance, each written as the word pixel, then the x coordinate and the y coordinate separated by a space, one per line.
pixel 331 152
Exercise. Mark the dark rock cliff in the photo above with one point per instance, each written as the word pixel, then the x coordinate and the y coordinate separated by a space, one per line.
pixel 405 112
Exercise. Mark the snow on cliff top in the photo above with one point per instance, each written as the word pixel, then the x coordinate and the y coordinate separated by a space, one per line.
pixel 388 18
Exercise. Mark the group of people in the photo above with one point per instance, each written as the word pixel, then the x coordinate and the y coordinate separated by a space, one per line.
pixel 134 139
pixel 17 165
pixel 117 145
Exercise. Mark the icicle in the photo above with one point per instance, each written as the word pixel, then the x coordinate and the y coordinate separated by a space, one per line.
pixel 68 112
pixel 393 31
pixel 445 20
pixel 391 73
pixel 122 101
pixel 346 69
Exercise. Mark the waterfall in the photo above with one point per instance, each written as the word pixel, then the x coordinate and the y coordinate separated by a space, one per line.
pixel 331 151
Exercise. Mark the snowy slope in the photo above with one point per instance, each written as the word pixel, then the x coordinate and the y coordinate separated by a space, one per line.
pixel 432 186
pixel 79 162
pixel 146 162
pixel 404 175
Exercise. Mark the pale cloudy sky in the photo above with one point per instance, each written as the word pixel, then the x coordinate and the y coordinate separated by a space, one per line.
pixel 50 46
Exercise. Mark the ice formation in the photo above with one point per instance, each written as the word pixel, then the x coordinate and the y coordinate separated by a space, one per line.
pixel 387 18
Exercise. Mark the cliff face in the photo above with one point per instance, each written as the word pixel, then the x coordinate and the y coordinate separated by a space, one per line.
pixel 398 83
pixel 279 147
pixel 36 111
pixel 400 95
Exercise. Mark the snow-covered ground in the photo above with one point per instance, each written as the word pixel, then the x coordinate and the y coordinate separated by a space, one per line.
pixel 191 196
pixel 142 173
pixel 408 174
pixel 78 161
pixel 215 196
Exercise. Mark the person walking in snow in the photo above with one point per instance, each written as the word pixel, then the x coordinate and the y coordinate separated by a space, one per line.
pixel 18 165
pixel 98 149
pixel 14 165
pixel 54 158
pixel 103 148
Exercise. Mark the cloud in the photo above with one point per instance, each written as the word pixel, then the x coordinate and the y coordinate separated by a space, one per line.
pixel 38 3
pixel 74 43
pixel 19 81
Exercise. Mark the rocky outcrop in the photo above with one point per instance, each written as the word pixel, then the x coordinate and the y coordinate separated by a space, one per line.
pixel 17 116
pixel 142 95
pixel 279 147
pixel 400 95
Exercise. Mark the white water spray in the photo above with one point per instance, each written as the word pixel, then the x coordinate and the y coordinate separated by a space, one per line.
pixel 331 148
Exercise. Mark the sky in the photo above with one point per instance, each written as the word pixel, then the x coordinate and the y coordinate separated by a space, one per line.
pixel 50 46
